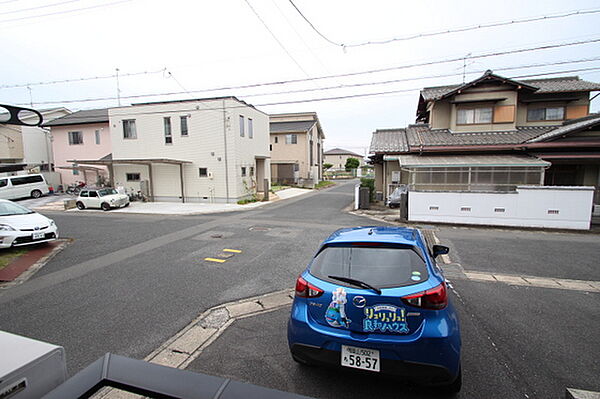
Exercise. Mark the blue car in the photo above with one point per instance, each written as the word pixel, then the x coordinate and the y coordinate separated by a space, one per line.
pixel 373 298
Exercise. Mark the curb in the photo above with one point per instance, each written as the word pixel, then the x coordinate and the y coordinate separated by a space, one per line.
pixel 31 270
pixel 186 345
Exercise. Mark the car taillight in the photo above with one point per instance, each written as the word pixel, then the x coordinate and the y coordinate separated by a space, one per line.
pixel 307 290
pixel 435 298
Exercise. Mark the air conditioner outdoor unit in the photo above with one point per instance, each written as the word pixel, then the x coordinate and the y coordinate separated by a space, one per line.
pixel 29 369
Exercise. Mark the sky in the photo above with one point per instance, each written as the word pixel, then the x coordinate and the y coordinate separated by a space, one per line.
pixel 190 48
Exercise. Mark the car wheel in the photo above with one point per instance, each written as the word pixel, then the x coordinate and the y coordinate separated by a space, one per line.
pixel 126 205
pixel 455 385
pixel 105 206
pixel 80 205
pixel 36 194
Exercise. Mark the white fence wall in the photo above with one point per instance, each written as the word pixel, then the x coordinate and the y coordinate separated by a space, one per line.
pixel 529 206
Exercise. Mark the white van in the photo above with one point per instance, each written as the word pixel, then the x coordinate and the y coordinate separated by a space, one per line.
pixel 12 187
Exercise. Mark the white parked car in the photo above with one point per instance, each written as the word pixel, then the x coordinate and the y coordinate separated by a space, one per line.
pixel 23 186
pixel 22 226
pixel 103 198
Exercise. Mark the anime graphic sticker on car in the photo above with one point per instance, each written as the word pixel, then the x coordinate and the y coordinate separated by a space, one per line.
pixel 336 311
pixel 385 318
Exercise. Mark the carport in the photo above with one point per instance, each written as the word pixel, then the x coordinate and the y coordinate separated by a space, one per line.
pixel 148 162
pixel 84 169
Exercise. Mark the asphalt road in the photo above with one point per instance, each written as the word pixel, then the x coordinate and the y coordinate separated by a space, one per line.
pixel 129 282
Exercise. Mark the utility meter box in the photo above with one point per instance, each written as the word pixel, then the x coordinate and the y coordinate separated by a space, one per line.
pixel 29 369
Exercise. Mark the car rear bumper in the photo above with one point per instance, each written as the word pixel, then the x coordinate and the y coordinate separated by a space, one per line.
pixel 421 372
pixel 430 355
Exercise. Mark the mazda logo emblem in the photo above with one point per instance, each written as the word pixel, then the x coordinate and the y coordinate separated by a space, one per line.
pixel 359 301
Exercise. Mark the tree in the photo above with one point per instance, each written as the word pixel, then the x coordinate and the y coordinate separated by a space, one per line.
pixel 352 163
pixel 327 165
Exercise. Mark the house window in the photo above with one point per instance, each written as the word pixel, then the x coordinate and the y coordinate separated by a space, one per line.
pixel 75 170
pixel 168 133
pixel 132 176
pixel 97 136
pixel 241 126
pixel 129 131
pixel 276 140
pixel 251 170
pixel 75 138
pixel 250 129
pixel 270 147
pixel 291 139
pixel 472 116
pixel 546 114
pixel 203 172
pixel 243 171
pixel 184 125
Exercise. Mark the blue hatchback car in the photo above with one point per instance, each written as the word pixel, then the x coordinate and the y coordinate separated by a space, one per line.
pixel 373 298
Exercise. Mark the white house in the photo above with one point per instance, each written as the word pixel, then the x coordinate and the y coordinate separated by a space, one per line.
pixel 199 150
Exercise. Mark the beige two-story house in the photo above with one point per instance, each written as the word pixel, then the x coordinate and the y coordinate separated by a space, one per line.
pixel 197 150
pixel 338 157
pixel 492 134
pixel 296 147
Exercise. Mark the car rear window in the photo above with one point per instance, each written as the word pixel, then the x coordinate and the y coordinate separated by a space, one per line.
pixel 382 267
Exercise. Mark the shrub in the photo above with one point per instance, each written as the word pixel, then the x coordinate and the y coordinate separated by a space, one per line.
pixel 368 182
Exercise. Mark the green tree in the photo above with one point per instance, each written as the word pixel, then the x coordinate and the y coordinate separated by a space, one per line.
pixel 352 163
pixel 327 165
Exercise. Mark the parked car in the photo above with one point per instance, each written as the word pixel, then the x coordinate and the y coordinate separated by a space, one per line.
pixel 22 186
pixel 373 299
pixel 103 198
pixel 395 199
pixel 22 226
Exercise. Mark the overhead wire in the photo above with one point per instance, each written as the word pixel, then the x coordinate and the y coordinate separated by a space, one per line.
pixel 38 7
pixel 329 88
pixel 448 31
pixel 253 85
pixel 103 5
pixel 81 79
pixel 275 37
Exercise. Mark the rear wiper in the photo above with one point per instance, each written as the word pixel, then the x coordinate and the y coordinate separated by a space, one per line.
pixel 358 283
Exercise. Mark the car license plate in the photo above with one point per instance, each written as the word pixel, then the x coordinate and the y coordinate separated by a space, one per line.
pixel 38 236
pixel 360 358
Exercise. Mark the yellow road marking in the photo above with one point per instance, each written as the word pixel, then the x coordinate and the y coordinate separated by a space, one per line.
pixel 215 260
pixel 237 251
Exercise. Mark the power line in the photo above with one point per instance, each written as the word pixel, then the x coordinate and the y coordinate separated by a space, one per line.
pixel 312 26
pixel 387 69
pixel 38 7
pixel 276 39
pixel 80 79
pixel 339 87
pixel 449 31
pixel 66 11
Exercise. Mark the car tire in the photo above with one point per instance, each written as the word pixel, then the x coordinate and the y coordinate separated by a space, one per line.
pixel 126 205
pixel 80 205
pixel 36 194
pixel 454 386
pixel 105 207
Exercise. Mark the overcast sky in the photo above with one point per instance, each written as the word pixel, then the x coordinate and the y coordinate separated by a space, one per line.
pixel 190 46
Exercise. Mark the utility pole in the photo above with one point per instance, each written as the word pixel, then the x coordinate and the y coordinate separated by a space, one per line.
pixel 225 145
pixel 118 89
pixel 465 66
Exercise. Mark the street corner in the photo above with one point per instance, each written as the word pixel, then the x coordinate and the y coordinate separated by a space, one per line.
pixel 28 261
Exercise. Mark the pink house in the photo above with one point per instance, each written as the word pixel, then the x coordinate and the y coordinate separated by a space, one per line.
pixel 81 135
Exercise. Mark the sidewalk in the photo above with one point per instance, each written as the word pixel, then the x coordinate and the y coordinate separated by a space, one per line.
pixel 179 208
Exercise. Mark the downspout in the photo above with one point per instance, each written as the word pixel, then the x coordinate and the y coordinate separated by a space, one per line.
pixel 225 144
